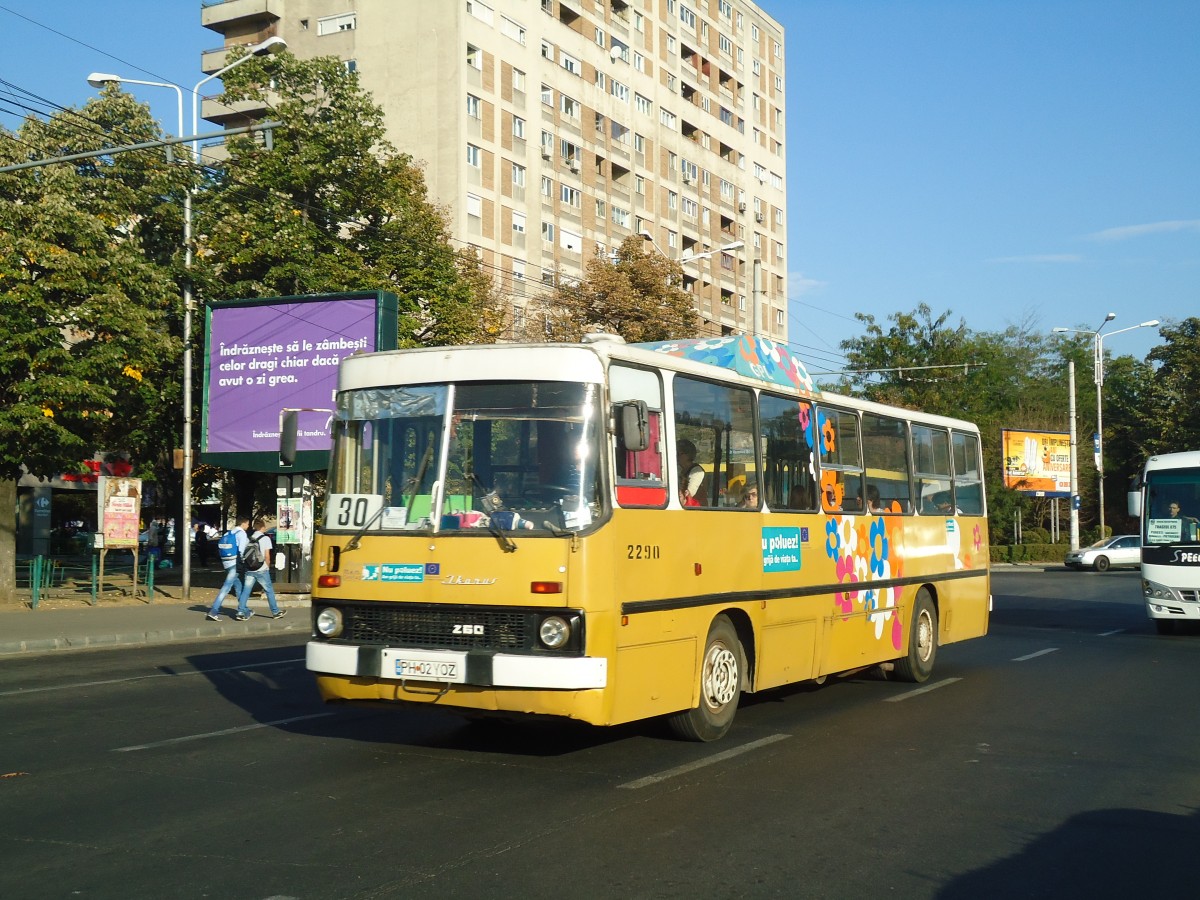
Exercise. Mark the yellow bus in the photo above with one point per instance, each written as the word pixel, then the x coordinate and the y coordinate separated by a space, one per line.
pixel 510 529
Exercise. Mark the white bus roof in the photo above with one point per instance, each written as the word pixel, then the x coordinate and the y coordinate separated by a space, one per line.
pixel 1184 460
pixel 752 362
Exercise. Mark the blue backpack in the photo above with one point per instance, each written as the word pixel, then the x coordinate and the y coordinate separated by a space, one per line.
pixel 227 546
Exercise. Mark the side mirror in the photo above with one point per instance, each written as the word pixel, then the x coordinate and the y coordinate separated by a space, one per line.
pixel 634 424
pixel 288 430
pixel 1134 499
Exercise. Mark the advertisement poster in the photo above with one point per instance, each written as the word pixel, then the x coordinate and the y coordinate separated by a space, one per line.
pixel 1037 462
pixel 262 359
pixel 288 522
pixel 118 509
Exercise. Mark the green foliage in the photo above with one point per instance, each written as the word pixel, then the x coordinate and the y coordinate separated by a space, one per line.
pixel 89 344
pixel 333 207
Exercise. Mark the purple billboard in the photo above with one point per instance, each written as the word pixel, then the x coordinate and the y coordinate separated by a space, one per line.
pixel 264 356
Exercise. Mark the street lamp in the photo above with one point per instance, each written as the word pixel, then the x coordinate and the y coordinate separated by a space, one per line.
pixel 1098 376
pixel 98 79
pixel 692 257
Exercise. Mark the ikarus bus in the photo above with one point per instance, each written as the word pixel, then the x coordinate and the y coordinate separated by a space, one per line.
pixel 612 532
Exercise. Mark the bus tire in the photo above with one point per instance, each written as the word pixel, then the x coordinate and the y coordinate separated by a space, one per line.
pixel 1166 626
pixel 721 673
pixel 917 666
pixel 1101 563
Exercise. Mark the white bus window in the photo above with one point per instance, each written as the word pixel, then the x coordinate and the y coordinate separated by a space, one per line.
pixel 640 474
pixel 931 464
pixel 786 435
pixel 715 424
pixel 841 460
pixel 968 477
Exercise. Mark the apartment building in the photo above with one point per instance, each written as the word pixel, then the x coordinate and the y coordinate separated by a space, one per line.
pixel 554 129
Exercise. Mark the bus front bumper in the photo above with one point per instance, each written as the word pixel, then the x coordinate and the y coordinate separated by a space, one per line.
pixel 481 669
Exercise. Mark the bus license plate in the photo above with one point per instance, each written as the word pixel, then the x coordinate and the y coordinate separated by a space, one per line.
pixel 431 665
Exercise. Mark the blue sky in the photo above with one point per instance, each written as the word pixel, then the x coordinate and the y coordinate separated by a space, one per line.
pixel 1015 161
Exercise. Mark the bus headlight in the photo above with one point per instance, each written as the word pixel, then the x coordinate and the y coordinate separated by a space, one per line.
pixel 554 631
pixel 329 622
pixel 1153 591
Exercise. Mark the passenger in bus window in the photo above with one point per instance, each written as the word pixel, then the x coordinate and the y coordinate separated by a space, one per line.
pixel 750 498
pixel 691 476
pixel 874 503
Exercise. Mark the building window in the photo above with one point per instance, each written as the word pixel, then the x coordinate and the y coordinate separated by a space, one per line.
pixel 481 11
pixel 570 107
pixel 474 206
pixel 548 233
pixel 547 95
pixel 518 80
pixel 474 57
pixel 512 29
pixel 643 104
pixel 570 196
pixel 548 51
pixel 547 186
pixel 570 63
pixel 518 128
pixel 518 265
pixel 620 216
pixel 473 107
pixel 474 156
pixel 570 241
pixel 601 209
pixel 666 117
pixel 620 91
pixel 639 62
pixel 519 228
pixel 687 17
pixel 334 24
pixel 518 175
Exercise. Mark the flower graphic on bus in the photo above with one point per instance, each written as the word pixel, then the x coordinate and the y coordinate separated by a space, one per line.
pixel 833 540
pixel 879 547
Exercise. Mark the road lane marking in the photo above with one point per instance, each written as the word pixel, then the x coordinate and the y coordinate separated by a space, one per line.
pixel 1111 633
pixel 87 684
pixel 921 690
pixel 1035 655
pixel 222 732
pixel 701 763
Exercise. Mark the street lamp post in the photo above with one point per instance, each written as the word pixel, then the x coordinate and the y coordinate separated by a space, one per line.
pixel 1098 377
pixel 692 257
pixel 183 533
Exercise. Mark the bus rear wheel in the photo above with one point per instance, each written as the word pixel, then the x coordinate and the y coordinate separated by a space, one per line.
pixel 721 673
pixel 917 665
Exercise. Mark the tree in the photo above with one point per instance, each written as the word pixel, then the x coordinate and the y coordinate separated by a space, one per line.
pixel 331 206
pixel 636 294
pixel 88 302
pixel 1174 395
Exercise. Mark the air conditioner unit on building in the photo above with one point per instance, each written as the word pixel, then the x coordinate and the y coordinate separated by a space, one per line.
pixel 687 179
pixel 741 207
pixel 573 165
pixel 758 217
pixel 545 153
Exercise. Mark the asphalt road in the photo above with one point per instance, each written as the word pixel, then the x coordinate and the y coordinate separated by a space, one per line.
pixel 1054 758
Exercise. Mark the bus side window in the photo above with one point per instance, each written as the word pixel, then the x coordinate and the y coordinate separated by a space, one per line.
pixel 786 436
pixel 640 475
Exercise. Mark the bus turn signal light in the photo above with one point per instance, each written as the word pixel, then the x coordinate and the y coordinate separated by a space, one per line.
pixel 545 587
pixel 329 581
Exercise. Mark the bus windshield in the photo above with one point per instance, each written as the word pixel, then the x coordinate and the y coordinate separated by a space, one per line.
pixel 506 455
pixel 1172 506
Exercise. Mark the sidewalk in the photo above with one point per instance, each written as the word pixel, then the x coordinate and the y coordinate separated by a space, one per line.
pixel 65 620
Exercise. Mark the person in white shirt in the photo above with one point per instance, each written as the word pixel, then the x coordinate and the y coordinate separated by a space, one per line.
pixel 262 575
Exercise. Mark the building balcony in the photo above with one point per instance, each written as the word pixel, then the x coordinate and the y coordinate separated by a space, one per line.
pixel 220 15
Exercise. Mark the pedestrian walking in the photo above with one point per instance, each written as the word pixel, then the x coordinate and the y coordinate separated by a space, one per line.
pixel 258 569
pixel 201 542
pixel 230 548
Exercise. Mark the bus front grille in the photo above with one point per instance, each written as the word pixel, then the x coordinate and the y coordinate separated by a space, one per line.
pixel 440 627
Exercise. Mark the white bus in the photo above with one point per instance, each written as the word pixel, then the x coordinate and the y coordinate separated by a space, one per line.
pixel 1169 504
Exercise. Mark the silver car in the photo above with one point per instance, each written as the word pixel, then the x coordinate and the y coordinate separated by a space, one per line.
pixel 1120 550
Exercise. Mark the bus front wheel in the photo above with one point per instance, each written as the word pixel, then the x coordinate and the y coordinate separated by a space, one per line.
pixel 721 674
pixel 917 666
